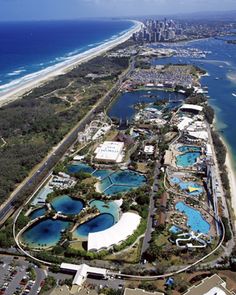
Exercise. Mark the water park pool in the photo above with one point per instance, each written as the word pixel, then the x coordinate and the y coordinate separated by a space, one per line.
pixel 37 213
pixel 175 229
pixel 106 207
pixel 99 223
pixel 187 159
pixel 195 220
pixel 45 233
pixel 192 188
pixel 189 148
pixel 67 205
pixel 111 182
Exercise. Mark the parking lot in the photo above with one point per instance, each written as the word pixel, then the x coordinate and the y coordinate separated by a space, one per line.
pixel 19 277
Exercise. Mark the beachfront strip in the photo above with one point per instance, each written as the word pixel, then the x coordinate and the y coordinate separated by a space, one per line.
pixel 147 189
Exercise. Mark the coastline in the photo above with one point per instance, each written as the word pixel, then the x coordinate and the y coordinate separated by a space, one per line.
pixel 62 68
pixel 232 180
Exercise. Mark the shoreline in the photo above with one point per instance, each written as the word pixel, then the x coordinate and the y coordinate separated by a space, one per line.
pixel 232 180
pixel 49 73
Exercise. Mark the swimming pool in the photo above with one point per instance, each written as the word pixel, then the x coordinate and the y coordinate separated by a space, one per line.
pixel 195 220
pixel 192 188
pixel 67 205
pixel 189 148
pixel 45 233
pixel 175 229
pixel 99 223
pixel 187 159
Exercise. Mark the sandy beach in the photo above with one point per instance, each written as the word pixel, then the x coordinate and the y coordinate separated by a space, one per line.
pixel 232 181
pixel 36 79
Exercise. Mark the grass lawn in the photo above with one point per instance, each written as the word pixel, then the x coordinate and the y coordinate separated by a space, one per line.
pixel 130 256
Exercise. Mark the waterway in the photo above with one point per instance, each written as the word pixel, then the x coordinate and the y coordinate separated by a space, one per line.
pixel 124 106
pixel 220 64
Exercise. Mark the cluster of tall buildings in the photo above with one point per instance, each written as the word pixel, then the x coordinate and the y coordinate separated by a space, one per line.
pixel 159 31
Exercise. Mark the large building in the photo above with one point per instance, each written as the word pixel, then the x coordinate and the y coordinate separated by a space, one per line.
pixel 110 152
pixel 136 291
pixel 213 285
pixel 116 234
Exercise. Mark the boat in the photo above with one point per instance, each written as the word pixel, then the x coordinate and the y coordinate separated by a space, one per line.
pixel 234 94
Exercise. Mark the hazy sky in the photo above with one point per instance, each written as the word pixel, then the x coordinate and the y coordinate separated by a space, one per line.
pixel 71 9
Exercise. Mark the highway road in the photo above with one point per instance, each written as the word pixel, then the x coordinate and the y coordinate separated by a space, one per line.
pixel 56 154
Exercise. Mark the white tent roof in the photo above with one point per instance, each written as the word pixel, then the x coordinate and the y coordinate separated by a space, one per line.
pixel 115 234
pixel 192 107
pixel 184 123
pixel 199 134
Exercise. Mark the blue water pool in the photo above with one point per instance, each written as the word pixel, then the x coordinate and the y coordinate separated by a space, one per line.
pixel 128 177
pixel 112 182
pixel 45 233
pixel 106 207
pixel 195 220
pixel 121 182
pixel 175 229
pixel 79 167
pixel 99 223
pixel 67 205
pixel 187 159
pixel 189 148
pixel 185 185
pixel 101 174
pixel 37 213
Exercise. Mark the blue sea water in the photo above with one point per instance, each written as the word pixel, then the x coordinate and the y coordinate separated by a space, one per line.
pixel 28 47
pixel 221 67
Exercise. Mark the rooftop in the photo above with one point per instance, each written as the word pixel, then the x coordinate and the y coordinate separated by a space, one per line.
pixel 109 151
pixel 192 107
pixel 136 291
pixel 115 234
pixel 213 285
pixel 82 272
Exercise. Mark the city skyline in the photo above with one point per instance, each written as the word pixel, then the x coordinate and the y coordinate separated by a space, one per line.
pixel 73 9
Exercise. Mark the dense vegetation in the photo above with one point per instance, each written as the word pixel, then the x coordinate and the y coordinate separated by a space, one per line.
pixel 33 125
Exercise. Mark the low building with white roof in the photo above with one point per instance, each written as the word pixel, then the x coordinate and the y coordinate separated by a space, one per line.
pixel 110 151
pixel 184 123
pixel 213 285
pixel 149 149
pixel 116 234
pixel 82 271
pixel 191 107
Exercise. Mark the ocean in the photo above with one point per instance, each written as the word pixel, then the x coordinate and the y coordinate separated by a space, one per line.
pixel 220 63
pixel 29 47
